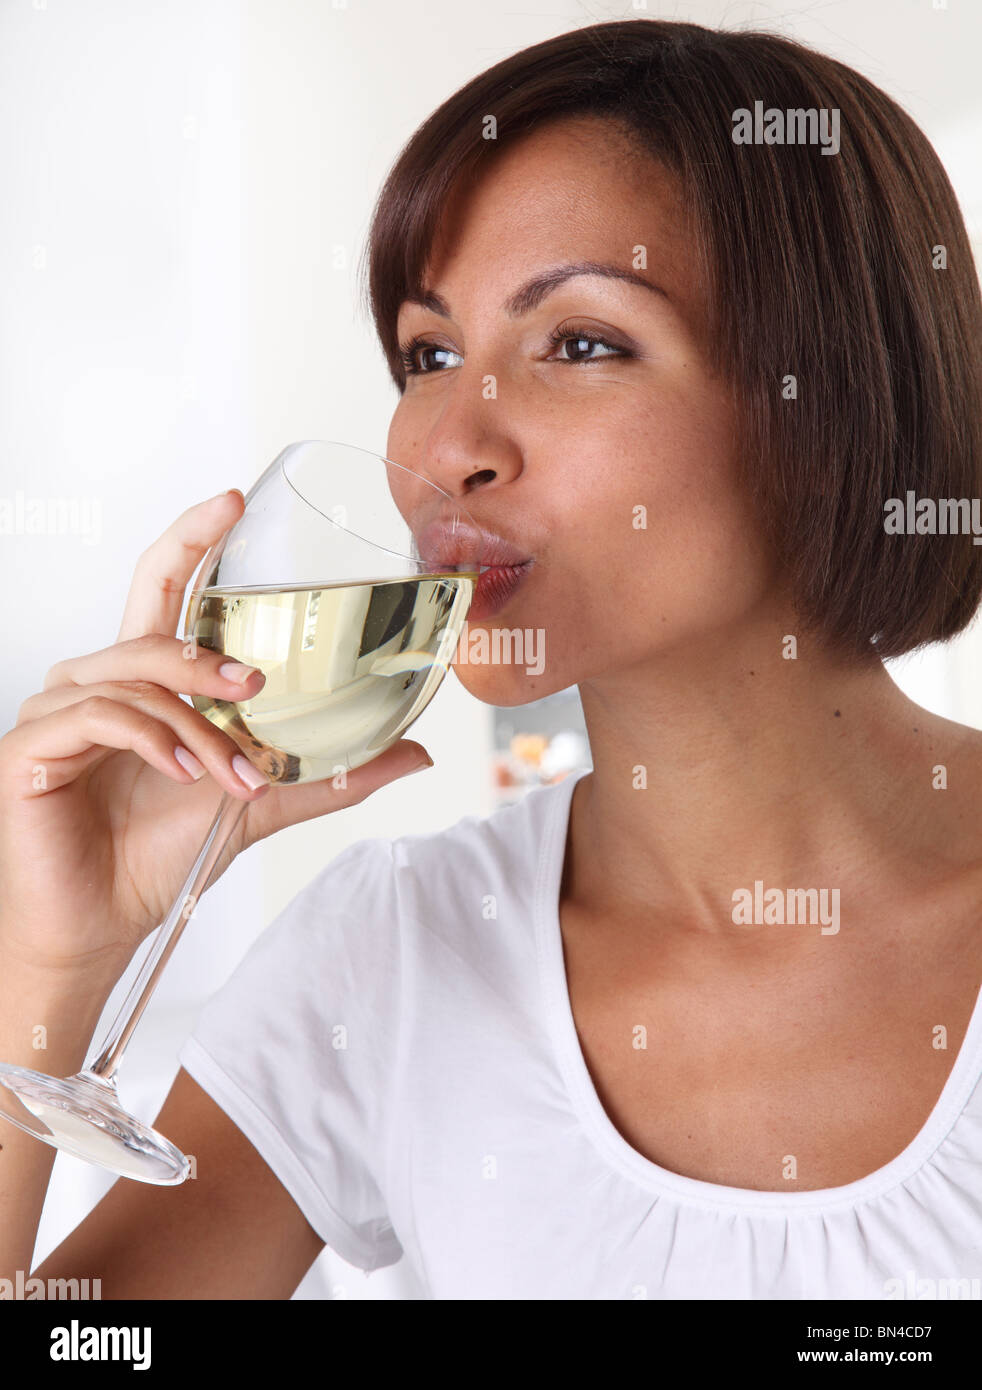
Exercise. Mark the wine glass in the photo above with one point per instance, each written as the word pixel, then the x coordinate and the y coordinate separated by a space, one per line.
pixel 346 581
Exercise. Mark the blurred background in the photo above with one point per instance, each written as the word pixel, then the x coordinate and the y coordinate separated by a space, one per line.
pixel 187 188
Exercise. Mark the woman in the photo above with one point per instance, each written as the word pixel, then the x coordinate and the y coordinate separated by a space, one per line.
pixel 702 1022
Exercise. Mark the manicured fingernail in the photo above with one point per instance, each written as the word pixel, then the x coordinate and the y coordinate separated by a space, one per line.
pixel 235 671
pixel 189 763
pixel 420 767
pixel 248 775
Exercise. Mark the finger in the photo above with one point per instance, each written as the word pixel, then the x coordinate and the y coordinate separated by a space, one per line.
pixel 40 757
pixel 290 805
pixel 189 731
pixel 48 774
pixel 163 571
pixel 183 666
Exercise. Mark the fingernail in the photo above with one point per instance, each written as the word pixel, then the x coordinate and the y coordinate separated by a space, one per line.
pixel 420 767
pixel 236 671
pixel 248 775
pixel 189 763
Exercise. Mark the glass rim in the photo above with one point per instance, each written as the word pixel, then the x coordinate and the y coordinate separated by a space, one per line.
pixel 451 524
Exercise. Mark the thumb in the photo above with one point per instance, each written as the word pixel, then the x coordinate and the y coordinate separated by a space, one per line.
pixel 283 806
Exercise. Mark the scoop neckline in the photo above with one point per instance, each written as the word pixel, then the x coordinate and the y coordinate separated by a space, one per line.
pixel 951 1103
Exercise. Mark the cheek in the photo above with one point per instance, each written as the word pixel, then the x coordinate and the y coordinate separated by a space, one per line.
pixel 399 443
pixel 660 529
pixel 692 472
pixel 409 425
pixel 417 503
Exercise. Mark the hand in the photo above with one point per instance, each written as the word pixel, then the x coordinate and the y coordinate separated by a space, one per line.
pixel 103 811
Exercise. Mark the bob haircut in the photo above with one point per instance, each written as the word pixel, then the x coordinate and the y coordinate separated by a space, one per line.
pixel 822 267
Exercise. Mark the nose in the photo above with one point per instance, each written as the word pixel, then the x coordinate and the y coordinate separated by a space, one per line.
pixel 464 456
pixel 463 468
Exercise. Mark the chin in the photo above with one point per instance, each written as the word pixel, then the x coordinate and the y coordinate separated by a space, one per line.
pixel 505 685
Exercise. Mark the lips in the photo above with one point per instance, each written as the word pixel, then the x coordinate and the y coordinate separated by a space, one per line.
pixel 495 587
pixel 501 565
pixel 459 545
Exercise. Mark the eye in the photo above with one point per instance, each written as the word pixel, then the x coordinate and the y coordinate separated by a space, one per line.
pixel 408 352
pixel 585 341
pixel 413 361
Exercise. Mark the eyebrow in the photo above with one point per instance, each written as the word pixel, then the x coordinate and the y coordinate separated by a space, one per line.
pixel 528 296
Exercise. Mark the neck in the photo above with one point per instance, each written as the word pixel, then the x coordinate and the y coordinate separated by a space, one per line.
pixel 712 773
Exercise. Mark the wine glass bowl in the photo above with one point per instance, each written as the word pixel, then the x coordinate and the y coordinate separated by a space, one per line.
pixel 349 664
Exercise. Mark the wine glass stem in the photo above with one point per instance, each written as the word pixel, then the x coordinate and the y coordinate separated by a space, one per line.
pixel 107 1063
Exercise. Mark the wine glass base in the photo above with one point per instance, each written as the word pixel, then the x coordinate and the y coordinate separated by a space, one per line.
pixel 82 1116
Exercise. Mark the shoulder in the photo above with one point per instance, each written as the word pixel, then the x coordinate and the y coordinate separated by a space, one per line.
pixel 947 756
pixel 451 873
pixel 442 916
pixel 508 840
pixel 384 900
pixel 483 866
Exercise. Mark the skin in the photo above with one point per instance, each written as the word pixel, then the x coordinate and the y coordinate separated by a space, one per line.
pixel 807 772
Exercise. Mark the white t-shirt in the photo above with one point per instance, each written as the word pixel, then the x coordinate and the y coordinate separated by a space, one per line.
pixel 399 1047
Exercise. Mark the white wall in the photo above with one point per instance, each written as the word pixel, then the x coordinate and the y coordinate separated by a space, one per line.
pixel 177 179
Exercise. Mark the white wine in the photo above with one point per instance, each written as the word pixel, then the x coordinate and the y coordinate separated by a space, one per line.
pixel 348 667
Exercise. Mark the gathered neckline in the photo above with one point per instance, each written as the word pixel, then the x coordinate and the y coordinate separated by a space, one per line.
pixel 962 1078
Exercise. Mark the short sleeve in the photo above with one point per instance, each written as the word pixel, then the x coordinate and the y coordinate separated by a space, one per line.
pixel 296 1048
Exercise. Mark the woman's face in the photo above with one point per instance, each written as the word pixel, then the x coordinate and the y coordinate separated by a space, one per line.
pixel 611 463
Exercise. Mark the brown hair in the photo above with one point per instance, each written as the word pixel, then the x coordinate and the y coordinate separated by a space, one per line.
pixel 816 266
